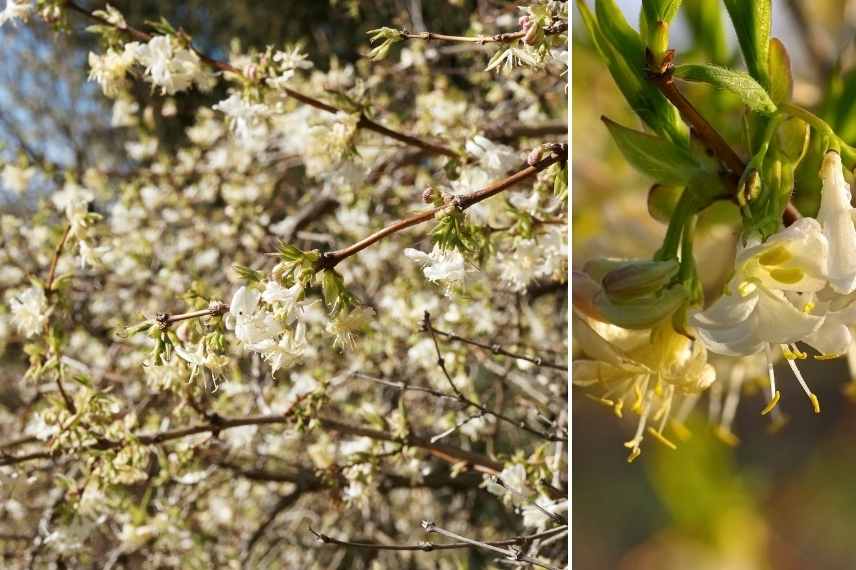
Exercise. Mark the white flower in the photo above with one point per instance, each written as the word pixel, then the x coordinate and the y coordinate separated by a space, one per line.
pixel 243 115
pixel 284 300
pixel 112 15
pixel 835 216
pixel 289 61
pixel 110 70
pixel 16 178
pixel 288 351
pixel 256 329
pixel 495 158
pixel 172 67
pixel 124 113
pixel 74 200
pixel 30 311
pixel 16 10
pixel 511 483
pixel 345 326
pixel 536 517
pixel 91 256
pixel 760 304
pixel 440 264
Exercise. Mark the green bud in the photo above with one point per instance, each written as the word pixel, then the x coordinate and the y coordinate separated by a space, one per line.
pixel 639 278
pixel 662 200
pixel 750 188
pixel 641 312
pixel 792 138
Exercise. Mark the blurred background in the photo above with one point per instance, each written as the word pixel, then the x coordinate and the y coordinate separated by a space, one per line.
pixel 784 500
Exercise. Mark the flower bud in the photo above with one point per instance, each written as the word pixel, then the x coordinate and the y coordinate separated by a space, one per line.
pixel 639 278
pixel 662 200
pixel 641 312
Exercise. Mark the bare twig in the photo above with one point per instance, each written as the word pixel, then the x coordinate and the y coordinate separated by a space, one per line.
pixel 364 121
pixel 509 553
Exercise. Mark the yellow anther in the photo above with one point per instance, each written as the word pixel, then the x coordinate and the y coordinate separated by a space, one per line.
pixel 634 454
pixel 681 430
pixel 771 404
pixel 788 276
pixel 830 356
pixel 809 307
pixel 746 288
pixel 619 405
pixel 661 438
pixel 815 403
pixel 637 405
pixel 775 256
pixel 605 401
pixel 725 435
pixel 793 354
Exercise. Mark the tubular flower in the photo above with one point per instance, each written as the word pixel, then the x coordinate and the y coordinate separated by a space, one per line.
pixel 648 373
pixel 836 218
pixel 770 300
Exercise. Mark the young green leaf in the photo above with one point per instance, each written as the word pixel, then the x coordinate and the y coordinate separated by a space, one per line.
pixel 660 10
pixel 642 96
pixel 655 156
pixel 752 21
pixel 750 92
pixel 705 20
pixel 781 81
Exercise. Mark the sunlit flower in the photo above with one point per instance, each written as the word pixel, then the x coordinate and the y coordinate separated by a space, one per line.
pixel 30 311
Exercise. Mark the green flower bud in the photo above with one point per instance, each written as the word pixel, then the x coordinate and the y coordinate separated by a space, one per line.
pixel 639 278
pixel 641 312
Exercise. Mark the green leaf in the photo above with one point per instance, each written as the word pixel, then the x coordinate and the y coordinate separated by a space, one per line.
pixel 660 10
pixel 752 21
pixel 741 84
pixel 619 33
pixel 705 20
pixel 781 81
pixel 655 156
pixel 648 103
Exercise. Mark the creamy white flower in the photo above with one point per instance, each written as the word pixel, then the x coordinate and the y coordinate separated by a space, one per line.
pixel 30 311
pixel 90 255
pixel 256 329
pixel 511 483
pixel 496 159
pixel 110 70
pixel 289 61
pixel 74 200
pixel 345 326
pixel 760 305
pixel 536 517
pixel 124 113
pixel 17 178
pixel 172 67
pixel 244 116
pixel 836 218
pixel 440 264
pixel 288 351
pixel 16 10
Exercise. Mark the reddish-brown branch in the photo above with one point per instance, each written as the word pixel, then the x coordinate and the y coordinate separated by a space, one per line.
pixel 333 258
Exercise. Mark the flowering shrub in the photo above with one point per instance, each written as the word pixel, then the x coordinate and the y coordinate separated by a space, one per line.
pixel 325 331
pixel 654 334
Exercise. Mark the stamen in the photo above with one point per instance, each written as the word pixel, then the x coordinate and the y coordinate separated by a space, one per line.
pixel 815 404
pixel 726 436
pixel 634 443
pixel 830 356
pixel 662 438
pixel 618 407
pixel 774 394
pixel 600 400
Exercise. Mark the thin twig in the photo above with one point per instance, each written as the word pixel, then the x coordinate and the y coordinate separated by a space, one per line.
pixel 497 349
pixel 509 553
pixel 331 259
pixel 364 121
pixel 430 546
pixel 55 259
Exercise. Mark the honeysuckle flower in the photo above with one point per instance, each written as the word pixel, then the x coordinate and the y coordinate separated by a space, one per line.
pixel 253 327
pixel 288 351
pixel 30 311
pixel 646 370
pixel 836 217
pixel 172 67
pixel 496 159
pixel 766 300
pixel 534 515
pixel 441 264
pixel 91 255
pixel 244 115
pixel 16 10
pixel 770 300
pixel 289 62
pixel 284 300
pixel 110 69
pixel 345 326
pixel 17 178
